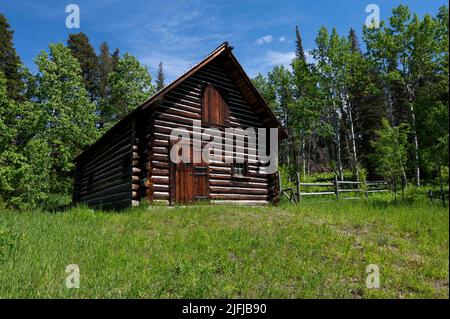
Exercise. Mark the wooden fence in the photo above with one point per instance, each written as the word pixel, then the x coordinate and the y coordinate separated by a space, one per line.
pixel 335 188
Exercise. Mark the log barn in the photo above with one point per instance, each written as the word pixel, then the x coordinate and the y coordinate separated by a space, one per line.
pixel 131 161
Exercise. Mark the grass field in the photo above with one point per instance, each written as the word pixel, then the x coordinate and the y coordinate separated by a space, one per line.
pixel 318 250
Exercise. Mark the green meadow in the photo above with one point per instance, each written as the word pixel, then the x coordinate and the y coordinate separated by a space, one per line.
pixel 315 250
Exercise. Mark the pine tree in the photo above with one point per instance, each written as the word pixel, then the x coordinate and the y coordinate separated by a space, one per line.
pixel 105 68
pixel 10 63
pixel 299 52
pixel 353 40
pixel 115 57
pixel 85 54
pixel 160 77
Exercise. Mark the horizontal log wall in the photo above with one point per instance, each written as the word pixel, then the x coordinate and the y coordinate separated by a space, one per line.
pixel 104 174
pixel 133 161
pixel 180 108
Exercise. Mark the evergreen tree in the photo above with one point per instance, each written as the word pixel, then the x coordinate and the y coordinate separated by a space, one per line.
pixel 105 68
pixel 353 40
pixel 160 77
pixel 85 53
pixel 115 57
pixel 365 105
pixel 299 52
pixel 10 63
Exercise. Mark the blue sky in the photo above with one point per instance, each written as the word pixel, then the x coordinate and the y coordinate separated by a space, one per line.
pixel 180 33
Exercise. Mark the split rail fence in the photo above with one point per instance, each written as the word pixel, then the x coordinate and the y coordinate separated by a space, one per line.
pixel 335 188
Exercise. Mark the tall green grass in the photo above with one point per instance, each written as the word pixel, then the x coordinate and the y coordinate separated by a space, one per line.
pixel 316 250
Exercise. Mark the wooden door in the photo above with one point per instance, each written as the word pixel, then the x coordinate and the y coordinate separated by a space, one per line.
pixel 201 182
pixel 189 182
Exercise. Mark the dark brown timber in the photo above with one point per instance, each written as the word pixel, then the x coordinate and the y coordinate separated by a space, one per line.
pixel 131 162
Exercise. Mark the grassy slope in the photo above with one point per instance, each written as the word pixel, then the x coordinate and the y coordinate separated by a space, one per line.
pixel 316 251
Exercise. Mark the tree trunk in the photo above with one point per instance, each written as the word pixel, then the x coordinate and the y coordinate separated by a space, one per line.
pixel 337 137
pixel 352 134
pixel 288 140
pixel 441 182
pixel 414 131
pixel 416 148
pixel 338 150
pixel 303 156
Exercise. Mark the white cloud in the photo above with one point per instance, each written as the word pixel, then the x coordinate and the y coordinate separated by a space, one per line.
pixel 173 66
pixel 265 39
pixel 273 58
pixel 174 37
pixel 282 39
pixel 265 62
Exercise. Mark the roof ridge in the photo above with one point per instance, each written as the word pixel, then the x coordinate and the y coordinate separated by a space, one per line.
pixel 225 45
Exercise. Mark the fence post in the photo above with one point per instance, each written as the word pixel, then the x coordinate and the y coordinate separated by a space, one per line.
pixel 430 195
pixel 279 182
pixel 441 184
pixel 336 187
pixel 299 196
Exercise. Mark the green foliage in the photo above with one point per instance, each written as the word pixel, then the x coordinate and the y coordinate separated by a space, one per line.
pixel 69 114
pixel 10 64
pixel 83 51
pixel 266 90
pixel 391 151
pixel 331 102
pixel 60 116
pixel 363 179
pixel 35 175
pixel 130 85
pixel 106 65
pixel 280 79
pixel 333 107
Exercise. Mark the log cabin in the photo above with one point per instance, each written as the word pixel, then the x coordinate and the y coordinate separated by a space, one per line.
pixel 131 162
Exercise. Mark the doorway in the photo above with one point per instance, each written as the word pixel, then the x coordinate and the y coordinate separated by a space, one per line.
pixel 189 182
